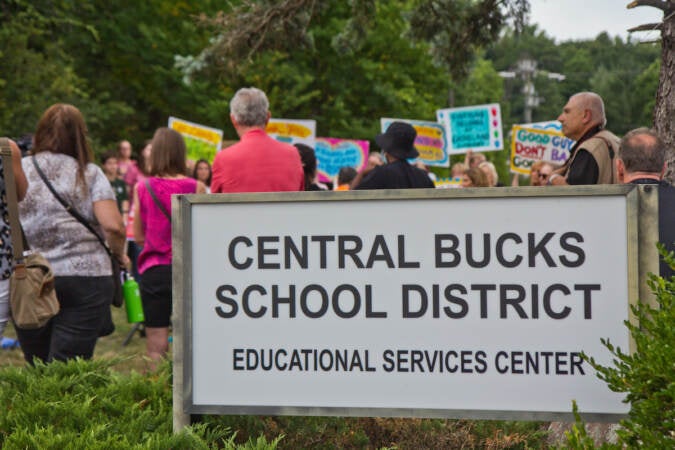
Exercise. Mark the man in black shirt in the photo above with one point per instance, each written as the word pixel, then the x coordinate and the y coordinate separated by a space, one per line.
pixel 591 159
pixel 641 160
pixel 397 144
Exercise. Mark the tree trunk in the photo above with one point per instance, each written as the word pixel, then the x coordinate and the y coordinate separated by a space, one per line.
pixel 664 110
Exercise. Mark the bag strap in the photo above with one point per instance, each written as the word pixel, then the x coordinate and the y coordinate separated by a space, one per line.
pixel 12 203
pixel 156 200
pixel 73 212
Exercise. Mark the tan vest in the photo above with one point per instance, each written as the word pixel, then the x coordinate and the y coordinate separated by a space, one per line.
pixel 604 147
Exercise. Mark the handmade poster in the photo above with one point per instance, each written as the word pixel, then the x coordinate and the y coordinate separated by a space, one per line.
pixel 530 144
pixel 447 183
pixel 202 142
pixel 431 141
pixel 293 131
pixel 332 154
pixel 477 128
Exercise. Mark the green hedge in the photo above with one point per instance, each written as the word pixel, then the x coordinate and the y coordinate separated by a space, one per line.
pixel 88 405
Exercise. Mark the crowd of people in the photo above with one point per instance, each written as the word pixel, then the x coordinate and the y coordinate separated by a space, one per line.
pixel 127 201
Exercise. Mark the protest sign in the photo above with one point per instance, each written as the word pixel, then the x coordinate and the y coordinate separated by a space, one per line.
pixel 202 142
pixel 406 308
pixel 332 154
pixel 445 183
pixel 477 128
pixel 293 131
pixel 532 144
pixel 431 141
pixel 548 125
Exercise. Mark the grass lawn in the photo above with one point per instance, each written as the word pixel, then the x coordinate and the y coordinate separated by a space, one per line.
pixel 107 347
pixel 298 432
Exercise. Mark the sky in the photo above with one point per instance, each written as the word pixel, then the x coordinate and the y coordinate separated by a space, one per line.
pixel 585 19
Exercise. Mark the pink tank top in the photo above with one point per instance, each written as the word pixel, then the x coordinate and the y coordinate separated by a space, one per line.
pixel 156 226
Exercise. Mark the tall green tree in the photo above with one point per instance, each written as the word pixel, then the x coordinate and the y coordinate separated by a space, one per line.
pixel 345 83
pixel 114 60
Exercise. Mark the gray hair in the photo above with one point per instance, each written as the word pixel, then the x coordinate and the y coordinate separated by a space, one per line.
pixel 250 106
pixel 593 102
pixel 642 150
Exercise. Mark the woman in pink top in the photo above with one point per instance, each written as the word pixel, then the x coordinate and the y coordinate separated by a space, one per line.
pixel 152 230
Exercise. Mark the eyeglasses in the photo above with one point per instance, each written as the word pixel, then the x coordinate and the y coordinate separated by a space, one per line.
pixel 543 175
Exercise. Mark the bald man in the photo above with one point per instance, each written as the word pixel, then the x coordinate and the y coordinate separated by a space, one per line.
pixel 641 158
pixel 591 159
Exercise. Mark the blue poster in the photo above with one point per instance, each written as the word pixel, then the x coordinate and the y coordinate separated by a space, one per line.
pixel 477 128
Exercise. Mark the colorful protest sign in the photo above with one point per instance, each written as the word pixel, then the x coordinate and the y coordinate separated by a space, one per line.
pixel 431 141
pixel 529 144
pixel 293 131
pixel 549 125
pixel 202 142
pixel 447 183
pixel 332 154
pixel 477 128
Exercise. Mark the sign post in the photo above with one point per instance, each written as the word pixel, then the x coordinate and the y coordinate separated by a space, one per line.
pixel 412 303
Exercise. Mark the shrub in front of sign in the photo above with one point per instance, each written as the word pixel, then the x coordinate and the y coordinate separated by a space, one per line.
pixel 647 376
pixel 86 404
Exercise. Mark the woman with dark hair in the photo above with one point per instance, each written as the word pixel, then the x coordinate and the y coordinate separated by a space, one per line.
pixel 152 230
pixel 202 173
pixel 308 159
pixel 81 265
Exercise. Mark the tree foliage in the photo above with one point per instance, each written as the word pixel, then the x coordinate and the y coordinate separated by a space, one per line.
pixel 646 375
pixel 130 65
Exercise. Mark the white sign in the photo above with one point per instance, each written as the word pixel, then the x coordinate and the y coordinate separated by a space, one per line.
pixel 427 305
pixel 477 128
pixel 293 131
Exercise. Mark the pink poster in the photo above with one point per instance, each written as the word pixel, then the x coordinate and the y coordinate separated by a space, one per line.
pixel 334 153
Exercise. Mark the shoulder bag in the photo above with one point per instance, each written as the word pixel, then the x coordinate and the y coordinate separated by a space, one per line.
pixel 118 295
pixel 32 297
pixel 156 200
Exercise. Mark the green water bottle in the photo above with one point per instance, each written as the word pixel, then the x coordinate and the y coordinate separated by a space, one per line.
pixel 132 300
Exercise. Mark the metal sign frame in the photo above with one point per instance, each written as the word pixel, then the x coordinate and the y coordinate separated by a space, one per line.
pixel 641 236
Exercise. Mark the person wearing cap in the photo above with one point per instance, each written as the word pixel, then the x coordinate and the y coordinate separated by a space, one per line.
pixel 397 144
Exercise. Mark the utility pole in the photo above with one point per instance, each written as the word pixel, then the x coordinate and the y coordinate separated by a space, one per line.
pixel 526 69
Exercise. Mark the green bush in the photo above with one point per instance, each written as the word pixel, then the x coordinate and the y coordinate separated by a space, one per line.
pixel 647 375
pixel 88 405
pixel 91 405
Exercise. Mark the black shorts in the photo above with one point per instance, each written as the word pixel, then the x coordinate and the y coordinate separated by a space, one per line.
pixel 155 289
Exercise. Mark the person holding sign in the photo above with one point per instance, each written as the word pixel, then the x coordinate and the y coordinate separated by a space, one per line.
pixel 257 163
pixel 397 144
pixel 591 159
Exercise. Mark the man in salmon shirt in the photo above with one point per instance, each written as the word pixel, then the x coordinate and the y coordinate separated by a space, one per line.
pixel 257 163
